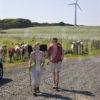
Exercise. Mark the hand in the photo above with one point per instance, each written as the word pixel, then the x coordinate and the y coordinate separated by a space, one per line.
pixel 42 64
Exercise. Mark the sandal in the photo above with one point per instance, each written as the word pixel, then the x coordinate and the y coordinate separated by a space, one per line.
pixel 37 90
pixel 34 93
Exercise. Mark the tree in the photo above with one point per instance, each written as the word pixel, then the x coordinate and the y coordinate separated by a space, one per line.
pixel 15 23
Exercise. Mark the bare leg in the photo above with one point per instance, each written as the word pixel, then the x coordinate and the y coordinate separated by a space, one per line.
pixel 54 77
pixel 57 78
pixel 34 89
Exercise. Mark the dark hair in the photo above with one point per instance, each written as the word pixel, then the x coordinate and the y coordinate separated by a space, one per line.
pixel 55 39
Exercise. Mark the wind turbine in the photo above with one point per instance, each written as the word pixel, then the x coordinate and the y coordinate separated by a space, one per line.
pixel 76 5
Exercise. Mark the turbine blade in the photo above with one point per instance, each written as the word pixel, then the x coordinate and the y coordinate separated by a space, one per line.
pixel 72 4
pixel 79 7
pixel 76 1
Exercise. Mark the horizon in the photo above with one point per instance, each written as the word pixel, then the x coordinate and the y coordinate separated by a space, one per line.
pixel 50 22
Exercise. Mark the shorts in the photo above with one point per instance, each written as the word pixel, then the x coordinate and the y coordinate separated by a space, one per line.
pixel 56 66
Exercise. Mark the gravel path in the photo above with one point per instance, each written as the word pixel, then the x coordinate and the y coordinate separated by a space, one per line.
pixel 79 80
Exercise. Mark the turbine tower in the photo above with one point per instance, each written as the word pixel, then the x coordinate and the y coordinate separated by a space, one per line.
pixel 75 5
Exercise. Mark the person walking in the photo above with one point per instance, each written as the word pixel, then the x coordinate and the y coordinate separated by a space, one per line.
pixel 55 55
pixel 36 64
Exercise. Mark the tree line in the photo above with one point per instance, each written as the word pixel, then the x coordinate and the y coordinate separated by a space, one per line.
pixel 14 23
pixel 23 23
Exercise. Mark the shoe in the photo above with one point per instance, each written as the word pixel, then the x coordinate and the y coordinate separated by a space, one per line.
pixel 37 90
pixel 56 86
pixel 34 93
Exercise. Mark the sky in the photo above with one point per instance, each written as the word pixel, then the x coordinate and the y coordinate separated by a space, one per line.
pixel 52 11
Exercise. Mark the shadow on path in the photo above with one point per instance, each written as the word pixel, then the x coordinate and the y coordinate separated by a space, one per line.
pixel 5 81
pixel 87 93
pixel 55 96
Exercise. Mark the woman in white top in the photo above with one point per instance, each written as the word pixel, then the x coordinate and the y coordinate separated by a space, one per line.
pixel 36 62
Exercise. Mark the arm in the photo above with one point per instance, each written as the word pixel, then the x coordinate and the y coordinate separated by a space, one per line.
pixel 43 59
pixel 61 50
pixel 31 60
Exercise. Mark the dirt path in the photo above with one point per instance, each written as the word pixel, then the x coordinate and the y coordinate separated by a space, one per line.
pixel 79 80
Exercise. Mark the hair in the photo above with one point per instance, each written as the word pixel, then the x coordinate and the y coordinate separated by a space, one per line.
pixel 37 43
pixel 55 39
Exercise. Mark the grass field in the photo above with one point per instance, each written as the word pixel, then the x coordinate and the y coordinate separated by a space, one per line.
pixel 70 31
pixel 63 32
pixel 66 35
